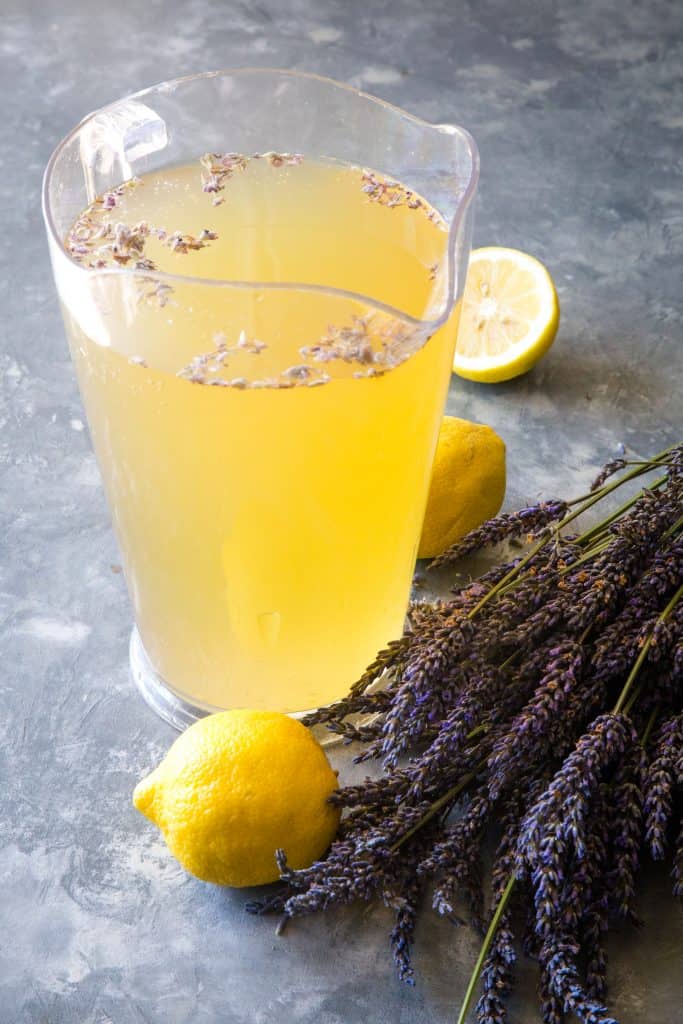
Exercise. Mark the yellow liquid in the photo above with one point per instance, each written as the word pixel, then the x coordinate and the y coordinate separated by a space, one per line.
pixel 268 533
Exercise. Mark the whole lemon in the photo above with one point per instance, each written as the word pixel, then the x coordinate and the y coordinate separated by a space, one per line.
pixel 467 485
pixel 235 787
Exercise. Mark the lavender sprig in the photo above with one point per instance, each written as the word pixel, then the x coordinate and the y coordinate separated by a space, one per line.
pixel 593 933
pixel 551 1007
pixel 497 975
pixel 498 967
pixel 403 932
pixel 663 772
pixel 558 816
pixel 529 733
pixel 560 962
pixel 677 871
pixel 402 893
pixel 423 678
pixel 625 817
pixel 453 859
pixel 528 521
pixel 608 470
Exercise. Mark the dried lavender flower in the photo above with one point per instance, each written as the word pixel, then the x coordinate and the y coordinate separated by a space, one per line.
pixel 556 824
pixel 478 686
pixel 402 892
pixel 677 872
pixel 497 976
pixel 530 731
pixel 626 828
pixel 498 969
pixel 425 668
pixel 551 1006
pixel 617 645
pixel 403 932
pixel 560 962
pixel 454 857
pixel 526 522
pixel 664 770
pixel 608 470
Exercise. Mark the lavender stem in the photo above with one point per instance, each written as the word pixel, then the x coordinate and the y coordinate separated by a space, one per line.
pixel 486 945
pixel 554 532
pixel 643 652
pixel 674 528
pixel 449 795
pixel 647 467
pixel 618 513
pixel 654 715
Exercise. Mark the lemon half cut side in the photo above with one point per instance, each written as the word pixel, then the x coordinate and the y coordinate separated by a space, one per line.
pixel 510 315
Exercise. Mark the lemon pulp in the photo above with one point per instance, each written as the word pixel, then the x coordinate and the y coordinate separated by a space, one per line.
pixel 509 318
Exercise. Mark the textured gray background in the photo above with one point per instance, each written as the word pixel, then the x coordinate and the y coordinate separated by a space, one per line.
pixel 577 110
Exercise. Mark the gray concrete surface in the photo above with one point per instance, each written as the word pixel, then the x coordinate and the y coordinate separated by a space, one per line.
pixel 577 111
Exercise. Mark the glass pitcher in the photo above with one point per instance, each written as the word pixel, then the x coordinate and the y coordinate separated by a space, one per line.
pixel 260 274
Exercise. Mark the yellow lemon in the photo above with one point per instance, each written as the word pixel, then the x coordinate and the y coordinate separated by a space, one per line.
pixel 467 485
pixel 235 787
pixel 510 314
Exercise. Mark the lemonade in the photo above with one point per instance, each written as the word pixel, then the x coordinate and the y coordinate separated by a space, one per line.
pixel 265 445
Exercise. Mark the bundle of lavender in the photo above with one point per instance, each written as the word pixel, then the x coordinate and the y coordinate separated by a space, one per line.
pixel 542 704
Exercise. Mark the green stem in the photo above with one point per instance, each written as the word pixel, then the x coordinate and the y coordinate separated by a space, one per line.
pixel 508 577
pixel 650 725
pixel 628 706
pixel 619 706
pixel 451 794
pixel 674 528
pixel 584 503
pixel 587 556
pixel 486 945
pixel 482 727
pixel 647 466
pixel 447 797
pixel 607 522
pixel 644 462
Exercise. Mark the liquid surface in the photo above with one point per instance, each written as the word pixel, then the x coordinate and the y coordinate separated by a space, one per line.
pixel 266 451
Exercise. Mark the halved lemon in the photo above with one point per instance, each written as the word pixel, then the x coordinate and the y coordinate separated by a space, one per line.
pixel 509 318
